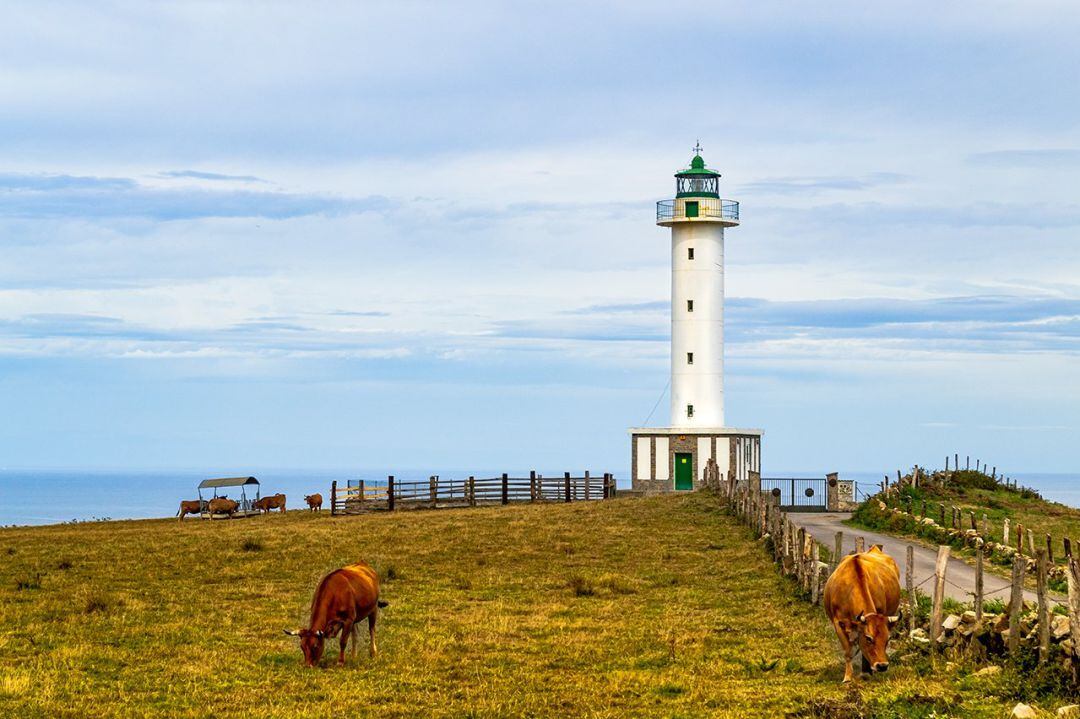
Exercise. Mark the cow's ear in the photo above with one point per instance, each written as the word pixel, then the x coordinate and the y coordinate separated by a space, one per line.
pixel 861 619
pixel 878 547
pixel 893 620
pixel 319 634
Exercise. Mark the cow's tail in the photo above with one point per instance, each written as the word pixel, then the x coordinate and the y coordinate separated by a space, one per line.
pixel 382 603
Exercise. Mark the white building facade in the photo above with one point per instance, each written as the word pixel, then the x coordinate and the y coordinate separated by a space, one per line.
pixel 674 457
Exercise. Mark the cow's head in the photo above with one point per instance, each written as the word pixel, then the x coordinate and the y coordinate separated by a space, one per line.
pixel 311 644
pixel 873 634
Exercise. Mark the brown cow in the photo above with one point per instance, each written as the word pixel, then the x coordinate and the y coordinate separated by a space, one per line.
pixel 222 505
pixel 343 598
pixel 861 599
pixel 272 502
pixel 192 507
pixel 314 502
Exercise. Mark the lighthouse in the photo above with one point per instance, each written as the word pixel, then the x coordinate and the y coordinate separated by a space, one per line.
pixel 674 457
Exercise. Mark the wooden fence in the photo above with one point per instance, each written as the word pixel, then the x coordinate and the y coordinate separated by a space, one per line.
pixel 798 555
pixel 438 493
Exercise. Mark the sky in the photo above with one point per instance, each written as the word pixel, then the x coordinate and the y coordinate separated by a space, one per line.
pixel 334 235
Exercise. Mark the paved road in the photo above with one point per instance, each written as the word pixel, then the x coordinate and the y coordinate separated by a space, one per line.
pixel 960 577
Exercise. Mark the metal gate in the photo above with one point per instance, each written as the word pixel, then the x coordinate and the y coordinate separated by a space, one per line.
pixel 797 494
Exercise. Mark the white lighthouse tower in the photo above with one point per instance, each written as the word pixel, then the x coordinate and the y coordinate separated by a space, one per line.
pixel 674 457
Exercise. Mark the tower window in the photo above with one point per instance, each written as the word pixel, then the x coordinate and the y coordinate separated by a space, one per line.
pixel 689 253
pixel 689 358
pixel 689 305
pixel 689 410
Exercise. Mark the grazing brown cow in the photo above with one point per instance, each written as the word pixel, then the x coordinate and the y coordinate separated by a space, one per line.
pixel 272 502
pixel 186 507
pixel 343 598
pixel 314 502
pixel 861 599
pixel 222 505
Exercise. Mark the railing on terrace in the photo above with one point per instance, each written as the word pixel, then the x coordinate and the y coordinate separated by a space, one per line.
pixel 709 209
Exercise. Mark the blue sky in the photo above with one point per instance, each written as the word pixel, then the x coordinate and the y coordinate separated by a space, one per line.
pixel 421 234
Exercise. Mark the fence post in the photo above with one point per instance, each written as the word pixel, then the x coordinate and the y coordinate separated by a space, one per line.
pixel 1044 606
pixel 1016 602
pixel 1019 538
pixel 815 574
pixel 470 490
pixel 532 485
pixel 909 581
pixel 390 493
pixel 939 593
pixel 1005 532
pixel 860 545
pixel 1072 574
pixel 361 487
pixel 433 490
pixel 505 489
pixel 942 514
pixel 1031 542
pixel 1049 549
pixel 566 479
pixel 333 498
pixel 587 485
pixel 838 549
pixel 978 583
pixel 985 527
pixel 1068 547
pixel 800 548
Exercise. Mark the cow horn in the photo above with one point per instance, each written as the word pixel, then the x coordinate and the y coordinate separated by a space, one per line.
pixel 292 632
pixel 894 619
pixel 319 634
pixel 861 618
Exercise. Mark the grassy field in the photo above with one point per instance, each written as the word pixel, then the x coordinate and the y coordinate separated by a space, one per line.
pixel 658 607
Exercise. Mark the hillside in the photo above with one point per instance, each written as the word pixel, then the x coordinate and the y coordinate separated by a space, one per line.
pixel 978 493
pixel 641 607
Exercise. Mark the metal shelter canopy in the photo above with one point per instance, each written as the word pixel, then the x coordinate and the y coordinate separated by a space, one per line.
pixel 227 482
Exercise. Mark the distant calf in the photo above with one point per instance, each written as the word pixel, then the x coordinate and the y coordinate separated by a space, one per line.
pixel 343 598
pixel 193 507
pixel 222 505
pixel 314 502
pixel 861 599
pixel 276 501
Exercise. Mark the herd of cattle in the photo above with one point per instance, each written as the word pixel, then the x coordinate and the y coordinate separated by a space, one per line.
pixel 861 599
pixel 225 506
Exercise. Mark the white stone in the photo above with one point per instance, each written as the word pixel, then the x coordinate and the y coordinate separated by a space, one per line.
pixel 968 617
pixel 951 622
pixel 989 671
pixel 1023 711
pixel 919 636
pixel 1059 627
pixel 1069 711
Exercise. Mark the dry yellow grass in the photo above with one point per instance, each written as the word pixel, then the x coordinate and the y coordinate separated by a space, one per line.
pixel 650 607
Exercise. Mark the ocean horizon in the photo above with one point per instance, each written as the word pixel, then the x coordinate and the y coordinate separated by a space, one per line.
pixel 55 496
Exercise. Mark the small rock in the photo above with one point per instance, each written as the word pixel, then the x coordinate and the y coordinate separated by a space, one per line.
pixel 951 622
pixel 1060 627
pixel 1069 711
pixel 1023 711
pixel 919 636
pixel 968 617
pixel 990 671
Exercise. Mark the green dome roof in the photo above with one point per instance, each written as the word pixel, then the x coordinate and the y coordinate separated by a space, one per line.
pixel 697 167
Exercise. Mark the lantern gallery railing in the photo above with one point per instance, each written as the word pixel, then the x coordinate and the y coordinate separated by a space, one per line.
pixel 707 208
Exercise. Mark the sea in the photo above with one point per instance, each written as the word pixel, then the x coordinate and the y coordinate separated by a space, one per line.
pixel 58 496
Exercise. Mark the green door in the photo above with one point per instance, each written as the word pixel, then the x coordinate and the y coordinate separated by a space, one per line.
pixel 692 209
pixel 684 470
